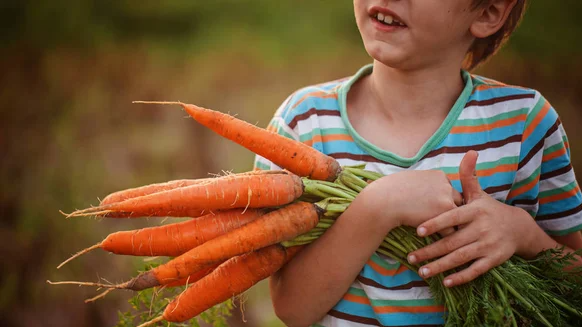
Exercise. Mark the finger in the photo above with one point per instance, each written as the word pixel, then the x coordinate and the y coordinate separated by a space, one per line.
pixel 443 246
pixel 458 198
pixel 452 260
pixel 447 231
pixel 449 219
pixel 468 176
pixel 476 269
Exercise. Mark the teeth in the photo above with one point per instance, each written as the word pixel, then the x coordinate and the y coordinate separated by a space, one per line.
pixel 380 16
pixel 387 19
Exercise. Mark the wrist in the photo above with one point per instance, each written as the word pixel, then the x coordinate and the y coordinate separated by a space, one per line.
pixel 536 239
pixel 378 207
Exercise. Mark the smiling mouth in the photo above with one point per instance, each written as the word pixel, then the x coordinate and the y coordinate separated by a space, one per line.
pixel 387 20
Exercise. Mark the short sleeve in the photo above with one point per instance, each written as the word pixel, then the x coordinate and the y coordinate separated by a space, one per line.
pixel 277 125
pixel 545 183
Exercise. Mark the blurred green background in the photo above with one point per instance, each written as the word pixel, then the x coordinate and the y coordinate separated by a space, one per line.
pixel 69 133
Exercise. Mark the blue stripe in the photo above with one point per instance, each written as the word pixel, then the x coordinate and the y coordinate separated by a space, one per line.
pixel 560 206
pixel 403 278
pixel 406 319
pixel 355 309
pixel 340 146
pixel 555 164
pixel 471 139
pixel 497 93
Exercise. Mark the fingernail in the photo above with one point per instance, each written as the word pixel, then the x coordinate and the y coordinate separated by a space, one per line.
pixel 424 272
pixel 448 283
pixel 421 231
pixel 412 258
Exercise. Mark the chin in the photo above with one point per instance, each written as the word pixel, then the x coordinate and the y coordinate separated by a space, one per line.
pixel 391 57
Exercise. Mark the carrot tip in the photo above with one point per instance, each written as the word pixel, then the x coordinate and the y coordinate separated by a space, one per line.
pixel 100 285
pixel 93 299
pixel 79 254
pixel 159 102
pixel 153 321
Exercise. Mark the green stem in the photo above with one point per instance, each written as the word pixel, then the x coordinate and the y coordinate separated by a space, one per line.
pixel 565 306
pixel 365 173
pixel 523 300
pixel 506 304
pixel 396 245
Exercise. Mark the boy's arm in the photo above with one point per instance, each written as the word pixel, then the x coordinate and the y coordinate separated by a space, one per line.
pixel 317 278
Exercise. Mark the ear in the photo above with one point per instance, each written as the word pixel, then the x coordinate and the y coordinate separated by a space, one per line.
pixel 491 17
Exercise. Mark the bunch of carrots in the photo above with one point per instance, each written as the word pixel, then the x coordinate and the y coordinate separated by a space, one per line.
pixel 244 227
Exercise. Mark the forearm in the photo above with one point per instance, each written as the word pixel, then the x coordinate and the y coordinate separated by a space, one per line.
pixel 539 241
pixel 317 278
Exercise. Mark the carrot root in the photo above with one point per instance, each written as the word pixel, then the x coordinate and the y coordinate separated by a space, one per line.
pixel 121 286
pixel 80 253
pixel 151 322
pixel 95 211
pixel 93 299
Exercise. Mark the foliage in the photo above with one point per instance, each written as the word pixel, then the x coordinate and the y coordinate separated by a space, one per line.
pixel 150 303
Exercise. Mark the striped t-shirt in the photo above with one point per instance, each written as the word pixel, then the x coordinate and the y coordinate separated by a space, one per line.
pixel 524 160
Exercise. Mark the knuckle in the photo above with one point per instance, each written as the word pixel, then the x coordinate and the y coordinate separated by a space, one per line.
pixel 449 244
pixel 463 256
pixel 456 218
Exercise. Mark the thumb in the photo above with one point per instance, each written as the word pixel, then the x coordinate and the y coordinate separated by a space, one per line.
pixel 468 175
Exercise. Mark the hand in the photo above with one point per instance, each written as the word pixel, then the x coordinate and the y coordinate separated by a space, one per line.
pixel 490 233
pixel 410 197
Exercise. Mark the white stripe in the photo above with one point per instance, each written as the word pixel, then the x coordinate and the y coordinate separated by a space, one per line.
pixel 282 125
pixel 557 181
pixel 532 165
pixel 414 293
pixel 561 224
pixel 476 112
pixel 329 321
pixel 554 138
pixel 454 159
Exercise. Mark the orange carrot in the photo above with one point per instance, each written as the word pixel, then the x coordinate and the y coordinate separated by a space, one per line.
pixel 193 278
pixel 277 226
pixel 155 188
pixel 173 239
pixel 230 279
pixel 149 189
pixel 289 154
pixel 228 192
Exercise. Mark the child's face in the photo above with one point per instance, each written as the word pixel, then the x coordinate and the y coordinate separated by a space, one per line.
pixel 429 32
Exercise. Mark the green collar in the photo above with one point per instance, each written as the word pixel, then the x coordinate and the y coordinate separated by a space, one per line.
pixel 434 140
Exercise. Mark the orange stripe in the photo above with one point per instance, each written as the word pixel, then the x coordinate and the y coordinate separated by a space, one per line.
pixel 319 94
pixel 393 309
pixel 328 138
pixel 561 196
pixel 554 155
pixel 484 87
pixel 499 85
pixel 386 272
pixel 410 309
pixel 356 299
pixel 272 128
pixel 522 189
pixel 488 127
pixel 488 172
pixel 536 120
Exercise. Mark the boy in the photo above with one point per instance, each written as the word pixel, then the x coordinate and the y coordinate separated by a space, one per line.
pixel 435 130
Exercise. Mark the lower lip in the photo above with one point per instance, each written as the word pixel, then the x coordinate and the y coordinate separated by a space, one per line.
pixel 385 28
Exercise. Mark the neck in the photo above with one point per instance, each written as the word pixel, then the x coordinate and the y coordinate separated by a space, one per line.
pixel 420 94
